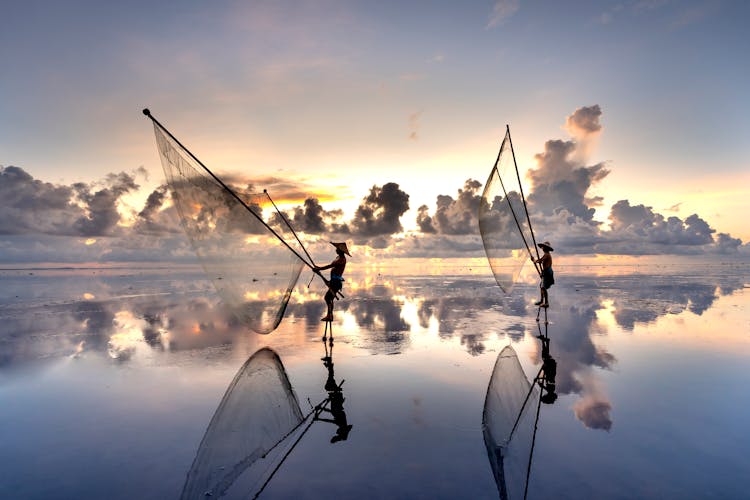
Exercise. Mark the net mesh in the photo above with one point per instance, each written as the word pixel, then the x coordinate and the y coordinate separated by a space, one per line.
pixel 257 413
pixel 503 404
pixel 501 235
pixel 253 272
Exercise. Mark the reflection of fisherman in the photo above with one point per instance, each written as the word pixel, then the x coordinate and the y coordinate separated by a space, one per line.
pixel 548 277
pixel 549 370
pixel 337 277
pixel 336 399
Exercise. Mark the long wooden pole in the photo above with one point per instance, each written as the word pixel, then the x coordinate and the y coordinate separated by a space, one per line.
pixel 289 226
pixel 233 194
pixel 520 186
pixel 510 206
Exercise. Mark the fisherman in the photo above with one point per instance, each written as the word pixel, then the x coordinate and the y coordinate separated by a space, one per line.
pixel 337 277
pixel 548 277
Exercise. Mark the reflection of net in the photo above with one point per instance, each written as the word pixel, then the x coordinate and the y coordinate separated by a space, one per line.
pixel 502 238
pixel 257 411
pixel 505 396
pixel 252 271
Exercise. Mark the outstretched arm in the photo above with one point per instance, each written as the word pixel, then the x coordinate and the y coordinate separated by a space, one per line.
pixel 323 268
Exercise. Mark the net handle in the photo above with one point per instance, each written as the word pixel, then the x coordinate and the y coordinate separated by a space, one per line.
pixel 523 197
pixel 510 205
pixel 147 112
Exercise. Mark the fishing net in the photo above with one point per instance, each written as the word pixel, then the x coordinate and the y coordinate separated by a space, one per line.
pixel 503 223
pixel 248 434
pixel 253 272
pixel 503 405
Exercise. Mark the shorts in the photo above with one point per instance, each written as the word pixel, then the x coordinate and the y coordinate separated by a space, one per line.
pixel 335 286
pixel 548 278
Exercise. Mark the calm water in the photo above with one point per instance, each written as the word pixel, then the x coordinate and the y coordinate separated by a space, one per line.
pixel 108 381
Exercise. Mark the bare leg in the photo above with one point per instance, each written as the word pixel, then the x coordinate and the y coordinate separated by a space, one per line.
pixel 329 305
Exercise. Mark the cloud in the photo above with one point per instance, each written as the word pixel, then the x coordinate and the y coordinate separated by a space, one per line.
pixel 584 122
pixel 30 206
pixel 502 11
pixel 560 183
pixel 639 223
pixel 158 216
pixel 453 216
pixel 380 212
pixel 594 412
pixel 36 217
pixel 312 218
pixel 424 220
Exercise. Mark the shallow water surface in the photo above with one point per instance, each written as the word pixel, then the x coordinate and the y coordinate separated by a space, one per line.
pixel 110 378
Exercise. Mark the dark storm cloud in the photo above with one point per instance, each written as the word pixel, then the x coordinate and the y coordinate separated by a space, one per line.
pixel 453 216
pixel 29 206
pixel 380 212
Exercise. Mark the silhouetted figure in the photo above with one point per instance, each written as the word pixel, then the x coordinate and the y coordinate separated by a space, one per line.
pixel 337 277
pixel 549 371
pixel 548 277
pixel 336 400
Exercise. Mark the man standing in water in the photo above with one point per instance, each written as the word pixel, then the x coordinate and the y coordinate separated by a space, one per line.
pixel 337 277
pixel 548 277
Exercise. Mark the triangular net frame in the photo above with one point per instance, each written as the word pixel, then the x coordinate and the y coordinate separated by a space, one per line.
pixel 250 432
pixel 508 449
pixel 253 272
pixel 503 220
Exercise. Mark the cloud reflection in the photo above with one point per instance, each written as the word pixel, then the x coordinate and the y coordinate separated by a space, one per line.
pixel 381 317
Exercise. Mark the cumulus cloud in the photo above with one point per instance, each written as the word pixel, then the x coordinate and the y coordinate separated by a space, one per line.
pixel 559 183
pixel 563 205
pixel 380 212
pixel 562 200
pixel 453 216
pixel 641 230
pixel 312 218
pixel 584 122
pixel 158 216
pixel 30 206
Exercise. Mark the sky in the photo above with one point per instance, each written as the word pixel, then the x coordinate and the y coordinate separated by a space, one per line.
pixel 629 120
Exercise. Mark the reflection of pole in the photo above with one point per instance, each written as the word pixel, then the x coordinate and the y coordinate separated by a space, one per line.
pixel 546 321
pixel 315 410
pixel 533 441
pixel 518 418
